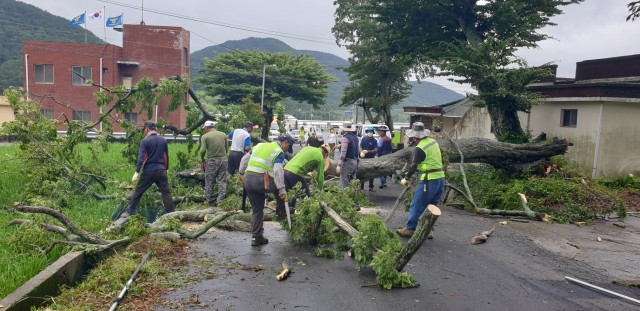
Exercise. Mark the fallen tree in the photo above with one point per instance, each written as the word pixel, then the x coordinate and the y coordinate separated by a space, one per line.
pixel 476 150
pixel 76 236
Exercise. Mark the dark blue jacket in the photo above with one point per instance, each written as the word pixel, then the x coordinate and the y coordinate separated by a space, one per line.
pixel 369 143
pixel 352 149
pixel 154 154
pixel 386 147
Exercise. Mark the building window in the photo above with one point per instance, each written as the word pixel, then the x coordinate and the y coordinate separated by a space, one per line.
pixel 185 56
pixel 47 113
pixel 82 116
pixel 43 74
pixel 569 117
pixel 131 117
pixel 78 73
pixel 127 81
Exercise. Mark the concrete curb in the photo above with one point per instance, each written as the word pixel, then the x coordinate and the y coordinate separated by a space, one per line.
pixel 67 270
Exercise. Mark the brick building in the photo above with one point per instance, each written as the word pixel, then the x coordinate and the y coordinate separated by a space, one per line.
pixel 148 51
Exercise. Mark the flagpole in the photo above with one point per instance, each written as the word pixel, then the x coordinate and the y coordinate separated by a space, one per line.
pixel 104 23
pixel 85 27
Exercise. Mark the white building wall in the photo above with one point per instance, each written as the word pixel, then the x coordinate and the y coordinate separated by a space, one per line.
pixel 475 123
pixel 611 122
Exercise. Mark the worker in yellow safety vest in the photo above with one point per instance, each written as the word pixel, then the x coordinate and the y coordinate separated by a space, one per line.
pixel 427 160
pixel 262 171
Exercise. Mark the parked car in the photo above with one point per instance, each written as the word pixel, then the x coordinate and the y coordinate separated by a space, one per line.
pixel 273 134
pixel 296 135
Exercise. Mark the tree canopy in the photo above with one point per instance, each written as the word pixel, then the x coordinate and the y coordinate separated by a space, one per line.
pixel 634 10
pixel 470 39
pixel 238 75
pixel 378 79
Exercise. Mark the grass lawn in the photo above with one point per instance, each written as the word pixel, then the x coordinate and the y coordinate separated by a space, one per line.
pixel 20 258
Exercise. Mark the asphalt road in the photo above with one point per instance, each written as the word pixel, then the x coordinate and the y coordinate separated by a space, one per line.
pixel 509 272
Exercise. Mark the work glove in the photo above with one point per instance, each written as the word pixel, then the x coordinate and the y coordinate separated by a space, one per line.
pixel 282 193
pixel 338 169
pixel 241 178
pixel 404 182
pixel 363 154
pixel 135 178
pixel 203 166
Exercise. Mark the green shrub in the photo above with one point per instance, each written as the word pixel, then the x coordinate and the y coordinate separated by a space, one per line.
pixel 560 194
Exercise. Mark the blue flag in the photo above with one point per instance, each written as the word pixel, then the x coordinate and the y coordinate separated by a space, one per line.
pixel 114 21
pixel 77 20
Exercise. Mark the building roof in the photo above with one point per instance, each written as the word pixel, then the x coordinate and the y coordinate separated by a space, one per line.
pixel 458 108
pixel 614 77
pixel 454 109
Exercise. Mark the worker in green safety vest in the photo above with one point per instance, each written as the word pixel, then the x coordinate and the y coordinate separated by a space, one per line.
pixel 309 159
pixel 427 160
pixel 263 172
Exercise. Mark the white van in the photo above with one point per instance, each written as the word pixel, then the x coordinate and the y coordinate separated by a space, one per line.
pixel 361 128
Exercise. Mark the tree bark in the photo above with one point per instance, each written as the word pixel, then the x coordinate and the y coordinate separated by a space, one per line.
pixel 346 227
pixel 476 150
pixel 186 234
pixel 425 224
pixel 506 124
pixel 48 227
pixel 87 236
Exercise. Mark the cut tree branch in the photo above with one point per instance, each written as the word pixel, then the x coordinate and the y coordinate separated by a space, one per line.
pixel 90 237
pixel 425 224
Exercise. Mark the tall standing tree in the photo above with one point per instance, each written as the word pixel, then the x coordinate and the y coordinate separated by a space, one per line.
pixel 634 10
pixel 238 76
pixel 474 40
pixel 378 79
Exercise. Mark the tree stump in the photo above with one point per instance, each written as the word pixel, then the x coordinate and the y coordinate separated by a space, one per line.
pixel 425 224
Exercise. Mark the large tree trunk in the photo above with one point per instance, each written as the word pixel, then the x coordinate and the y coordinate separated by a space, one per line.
pixel 475 150
pixel 506 124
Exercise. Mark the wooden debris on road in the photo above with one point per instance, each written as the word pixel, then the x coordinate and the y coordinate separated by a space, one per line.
pixel 519 220
pixel 285 272
pixel 483 236
pixel 620 225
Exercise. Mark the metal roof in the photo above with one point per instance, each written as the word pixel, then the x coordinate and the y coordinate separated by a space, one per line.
pixel 458 108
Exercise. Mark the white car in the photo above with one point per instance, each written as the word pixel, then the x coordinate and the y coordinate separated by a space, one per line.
pixel 273 134
pixel 295 134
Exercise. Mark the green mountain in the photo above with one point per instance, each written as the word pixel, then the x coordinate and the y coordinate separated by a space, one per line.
pixel 425 93
pixel 20 22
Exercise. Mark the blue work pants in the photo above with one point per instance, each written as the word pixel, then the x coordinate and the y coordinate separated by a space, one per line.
pixel 422 198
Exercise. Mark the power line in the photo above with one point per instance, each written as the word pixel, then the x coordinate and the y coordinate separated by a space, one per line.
pixel 232 26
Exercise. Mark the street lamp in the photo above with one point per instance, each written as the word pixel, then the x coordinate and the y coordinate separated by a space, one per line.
pixel 264 72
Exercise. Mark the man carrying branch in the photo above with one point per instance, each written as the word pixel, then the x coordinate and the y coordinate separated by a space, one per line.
pixel 427 160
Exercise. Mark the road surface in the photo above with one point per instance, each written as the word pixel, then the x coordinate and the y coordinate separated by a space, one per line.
pixel 512 271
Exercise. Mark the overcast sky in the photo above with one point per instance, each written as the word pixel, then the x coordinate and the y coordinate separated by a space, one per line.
pixel 591 30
